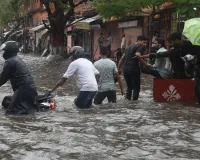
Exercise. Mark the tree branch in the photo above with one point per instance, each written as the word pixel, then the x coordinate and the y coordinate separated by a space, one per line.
pixel 68 15
pixel 46 3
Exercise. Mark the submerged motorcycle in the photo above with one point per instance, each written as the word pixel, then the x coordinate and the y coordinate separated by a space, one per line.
pixel 45 102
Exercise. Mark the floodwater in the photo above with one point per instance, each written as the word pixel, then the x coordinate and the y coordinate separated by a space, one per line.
pixel 123 131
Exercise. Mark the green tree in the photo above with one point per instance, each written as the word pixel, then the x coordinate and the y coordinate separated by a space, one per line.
pixel 64 12
pixel 122 8
pixel 12 12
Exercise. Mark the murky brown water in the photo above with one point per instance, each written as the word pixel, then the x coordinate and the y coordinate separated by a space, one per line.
pixel 125 130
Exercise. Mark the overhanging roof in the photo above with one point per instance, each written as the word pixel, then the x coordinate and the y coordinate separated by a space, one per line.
pixel 91 19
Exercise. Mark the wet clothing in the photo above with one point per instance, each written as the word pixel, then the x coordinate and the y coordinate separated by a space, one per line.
pixel 131 70
pixel 151 71
pixel 175 57
pixel 107 69
pixel 161 68
pixel 84 72
pixel 106 85
pixel 24 100
pixel 84 99
pixel 133 85
pixel 110 95
pixel 131 64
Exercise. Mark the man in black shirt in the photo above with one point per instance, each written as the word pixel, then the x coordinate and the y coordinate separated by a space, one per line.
pixel 131 68
pixel 24 100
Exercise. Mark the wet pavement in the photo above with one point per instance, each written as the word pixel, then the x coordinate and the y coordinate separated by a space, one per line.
pixel 125 130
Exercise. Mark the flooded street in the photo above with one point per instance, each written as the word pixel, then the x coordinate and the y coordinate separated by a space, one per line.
pixel 125 130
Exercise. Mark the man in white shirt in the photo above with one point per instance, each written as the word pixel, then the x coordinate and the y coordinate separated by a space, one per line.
pixel 84 72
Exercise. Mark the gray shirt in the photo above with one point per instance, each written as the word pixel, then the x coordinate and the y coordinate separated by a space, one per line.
pixel 107 70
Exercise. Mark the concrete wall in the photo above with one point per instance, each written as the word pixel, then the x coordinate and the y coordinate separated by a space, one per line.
pixel 131 34
pixel 39 15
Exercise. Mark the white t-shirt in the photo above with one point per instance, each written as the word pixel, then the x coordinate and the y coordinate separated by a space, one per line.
pixel 84 72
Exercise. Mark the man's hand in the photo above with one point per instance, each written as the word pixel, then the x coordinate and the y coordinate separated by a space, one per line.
pixel 48 93
pixel 145 56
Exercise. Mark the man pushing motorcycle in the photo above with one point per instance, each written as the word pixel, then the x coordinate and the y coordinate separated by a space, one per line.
pixel 24 99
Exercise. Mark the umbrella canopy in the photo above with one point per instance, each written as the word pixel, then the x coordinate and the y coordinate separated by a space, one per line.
pixel 192 30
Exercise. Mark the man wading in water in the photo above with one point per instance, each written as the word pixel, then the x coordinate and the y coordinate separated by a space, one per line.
pixel 84 72
pixel 24 100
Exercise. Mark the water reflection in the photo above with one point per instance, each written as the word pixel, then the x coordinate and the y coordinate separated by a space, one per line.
pixel 125 130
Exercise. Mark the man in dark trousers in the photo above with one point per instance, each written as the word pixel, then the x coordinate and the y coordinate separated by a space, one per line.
pixel 131 68
pixel 24 100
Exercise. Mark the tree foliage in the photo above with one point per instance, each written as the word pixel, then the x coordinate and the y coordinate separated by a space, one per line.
pixel 122 8
pixel 12 10
pixel 64 12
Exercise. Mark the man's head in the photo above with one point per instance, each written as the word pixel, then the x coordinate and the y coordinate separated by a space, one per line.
pixel 101 34
pixel 9 49
pixel 175 39
pixel 104 51
pixel 109 34
pixel 76 52
pixel 159 43
pixel 142 40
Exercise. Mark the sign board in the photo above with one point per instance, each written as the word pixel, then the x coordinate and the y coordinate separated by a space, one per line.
pixel 128 24
pixel 95 26
pixel 174 90
pixel 82 25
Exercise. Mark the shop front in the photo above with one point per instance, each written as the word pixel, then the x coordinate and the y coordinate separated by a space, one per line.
pixel 84 32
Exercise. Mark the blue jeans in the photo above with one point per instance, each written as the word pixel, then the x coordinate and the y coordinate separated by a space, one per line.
pixel 84 99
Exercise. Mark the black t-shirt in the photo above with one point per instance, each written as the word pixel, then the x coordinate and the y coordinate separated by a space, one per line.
pixel 131 63
pixel 17 72
pixel 188 48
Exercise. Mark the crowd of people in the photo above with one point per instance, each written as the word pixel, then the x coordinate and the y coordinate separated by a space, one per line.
pixel 97 81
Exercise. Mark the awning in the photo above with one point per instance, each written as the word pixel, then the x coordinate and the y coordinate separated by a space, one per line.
pixel 19 34
pixel 36 29
pixel 85 24
pixel 15 33
pixel 75 21
pixel 44 32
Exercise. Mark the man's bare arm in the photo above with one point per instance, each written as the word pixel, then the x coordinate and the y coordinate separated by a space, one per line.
pixel 121 61
pixel 120 83
pixel 59 83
